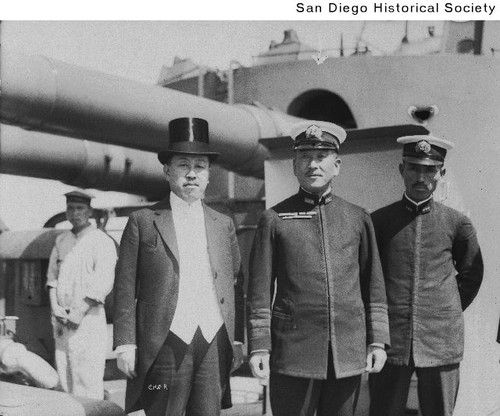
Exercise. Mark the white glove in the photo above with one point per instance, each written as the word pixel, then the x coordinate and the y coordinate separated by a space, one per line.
pixel 259 364
pixel 125 361
pixel 375 359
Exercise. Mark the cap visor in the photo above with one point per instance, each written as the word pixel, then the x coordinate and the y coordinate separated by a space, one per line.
pixel 426 162
pixel 307 146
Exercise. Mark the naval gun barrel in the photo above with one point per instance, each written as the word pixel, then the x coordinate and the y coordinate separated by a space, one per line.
pixel 81 162
pixel 47 95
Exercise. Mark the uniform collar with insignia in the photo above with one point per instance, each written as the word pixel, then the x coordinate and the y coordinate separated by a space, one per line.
pixel 417 208
pixel 313 199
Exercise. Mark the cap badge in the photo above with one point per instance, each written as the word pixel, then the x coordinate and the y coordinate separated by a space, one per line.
pixel 423 146
pixel 314 131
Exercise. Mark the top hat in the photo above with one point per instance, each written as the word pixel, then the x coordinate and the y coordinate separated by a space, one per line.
pixel 187 135
pixel 425 150
pixel 310 135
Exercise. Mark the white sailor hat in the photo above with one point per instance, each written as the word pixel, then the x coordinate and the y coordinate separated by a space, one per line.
pixel 311 134
pixel 79 195
pixel 425 150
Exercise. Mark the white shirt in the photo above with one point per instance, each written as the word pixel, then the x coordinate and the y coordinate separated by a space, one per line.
pixel 82 265
pixel 415 202
pixel 197 303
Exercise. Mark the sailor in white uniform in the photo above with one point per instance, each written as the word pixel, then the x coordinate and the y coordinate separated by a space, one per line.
pixel 79 277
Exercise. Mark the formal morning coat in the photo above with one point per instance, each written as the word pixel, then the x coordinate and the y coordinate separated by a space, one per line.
pixel 147 284
pixel 330 290
pixel 433 269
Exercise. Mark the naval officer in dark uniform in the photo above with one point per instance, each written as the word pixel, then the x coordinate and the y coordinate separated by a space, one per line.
pixel 317 303
pixel 433 269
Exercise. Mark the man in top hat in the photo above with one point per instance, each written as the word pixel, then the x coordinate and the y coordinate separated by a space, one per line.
pixel 317 313
pixel 433 269
pixel 178 297
pixel 79 277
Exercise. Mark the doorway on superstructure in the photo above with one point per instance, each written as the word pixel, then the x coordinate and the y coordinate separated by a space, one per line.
pixel 323 105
